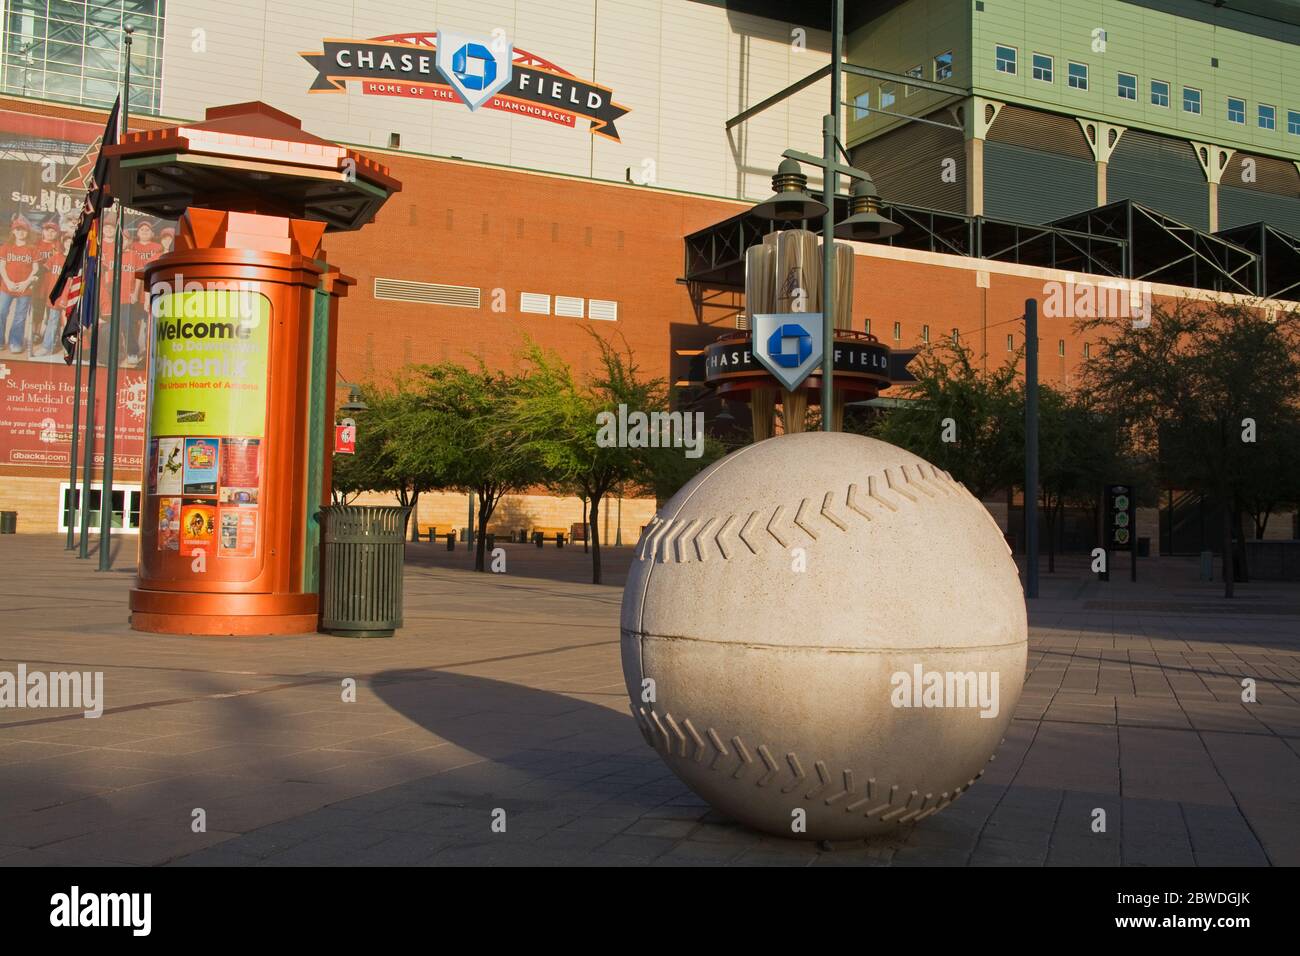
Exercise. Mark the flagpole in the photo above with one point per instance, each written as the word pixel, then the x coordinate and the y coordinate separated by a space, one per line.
pixel 70 503
pixel 83 258
pixel 114 323
pixel 88 453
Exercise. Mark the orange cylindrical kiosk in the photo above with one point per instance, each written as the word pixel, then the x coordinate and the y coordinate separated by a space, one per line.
pixel 243 332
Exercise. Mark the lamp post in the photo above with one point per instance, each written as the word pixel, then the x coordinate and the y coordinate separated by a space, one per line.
pixel 791 202
pixel 1031 448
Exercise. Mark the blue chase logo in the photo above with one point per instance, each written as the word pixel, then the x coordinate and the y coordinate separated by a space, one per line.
pixel 475 67
pixel 789 345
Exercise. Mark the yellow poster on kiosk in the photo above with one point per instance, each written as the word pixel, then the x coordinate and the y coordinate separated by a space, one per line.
pixel 209 363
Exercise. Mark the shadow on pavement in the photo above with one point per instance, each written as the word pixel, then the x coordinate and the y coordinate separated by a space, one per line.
pixel 568 564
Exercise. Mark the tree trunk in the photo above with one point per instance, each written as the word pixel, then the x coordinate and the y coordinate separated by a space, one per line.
pixel 1051 535
pixel 586 537
pixel 412 500
pixel 1243 567
pixel 1227 549
pixel 593 532
pixel 486 505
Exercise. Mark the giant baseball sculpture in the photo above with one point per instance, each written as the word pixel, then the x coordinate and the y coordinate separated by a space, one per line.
pixel 824 636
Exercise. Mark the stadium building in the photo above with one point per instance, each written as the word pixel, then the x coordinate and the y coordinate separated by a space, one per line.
pixel 600 169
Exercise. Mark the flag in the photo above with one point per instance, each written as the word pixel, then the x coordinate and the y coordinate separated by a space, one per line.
pixel 82 293
pixel 96 193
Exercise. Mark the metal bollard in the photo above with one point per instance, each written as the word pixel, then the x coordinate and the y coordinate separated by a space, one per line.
pixel 451 541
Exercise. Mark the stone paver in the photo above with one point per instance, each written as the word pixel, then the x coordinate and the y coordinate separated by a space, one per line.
pixel 504 693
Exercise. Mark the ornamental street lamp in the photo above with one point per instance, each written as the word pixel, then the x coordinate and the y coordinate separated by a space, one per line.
pixel 355 403
pixel 791 202
pixel 865 223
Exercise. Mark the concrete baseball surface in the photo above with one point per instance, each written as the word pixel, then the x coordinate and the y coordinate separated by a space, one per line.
pixel 824 636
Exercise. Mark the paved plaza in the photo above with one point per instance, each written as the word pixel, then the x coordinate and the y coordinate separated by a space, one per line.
pixel 504 692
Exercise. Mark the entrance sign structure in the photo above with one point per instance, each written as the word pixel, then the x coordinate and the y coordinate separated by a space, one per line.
pixel 789 345
pixel 783 357
pixel 243 334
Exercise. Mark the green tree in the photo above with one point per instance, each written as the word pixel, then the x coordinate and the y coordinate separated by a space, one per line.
pixel 1273 485
pixel 463 438
pixel 1080 450
pixel 967 421
pixel 556 423
pixel 386 430
pixel 1196 385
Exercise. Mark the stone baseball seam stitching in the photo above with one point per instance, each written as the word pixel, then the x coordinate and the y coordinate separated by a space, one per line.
pixel 671 540
pixel 662 734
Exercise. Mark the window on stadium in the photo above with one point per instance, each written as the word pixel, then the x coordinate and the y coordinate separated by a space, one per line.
pixel 916 72
pixel 943 66
pixel 72 51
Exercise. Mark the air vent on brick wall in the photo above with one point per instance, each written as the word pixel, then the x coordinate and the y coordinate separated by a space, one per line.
pixel 602 309
pixel 569 306
pixel 429 293
pixel 742 320
pixel 535 303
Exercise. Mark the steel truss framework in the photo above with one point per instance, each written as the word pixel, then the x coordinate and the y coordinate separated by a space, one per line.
pixel 715 255
pixel 1279 257
pixel 1165 250
pixel 1123 240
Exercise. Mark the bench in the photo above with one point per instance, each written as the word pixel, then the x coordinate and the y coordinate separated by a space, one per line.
pixel 578 531
pixel 541 534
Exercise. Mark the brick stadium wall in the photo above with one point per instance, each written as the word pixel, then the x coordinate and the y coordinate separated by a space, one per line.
pixel 1279 527
pixel 506 232
pixel 35 499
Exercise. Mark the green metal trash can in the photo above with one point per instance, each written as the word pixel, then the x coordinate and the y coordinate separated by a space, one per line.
pixel 361 581
pixel 8 522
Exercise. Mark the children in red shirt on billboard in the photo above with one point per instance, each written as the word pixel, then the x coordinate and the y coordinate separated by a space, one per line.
pixel 142 252
pixel 19 274
pixel 50 257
